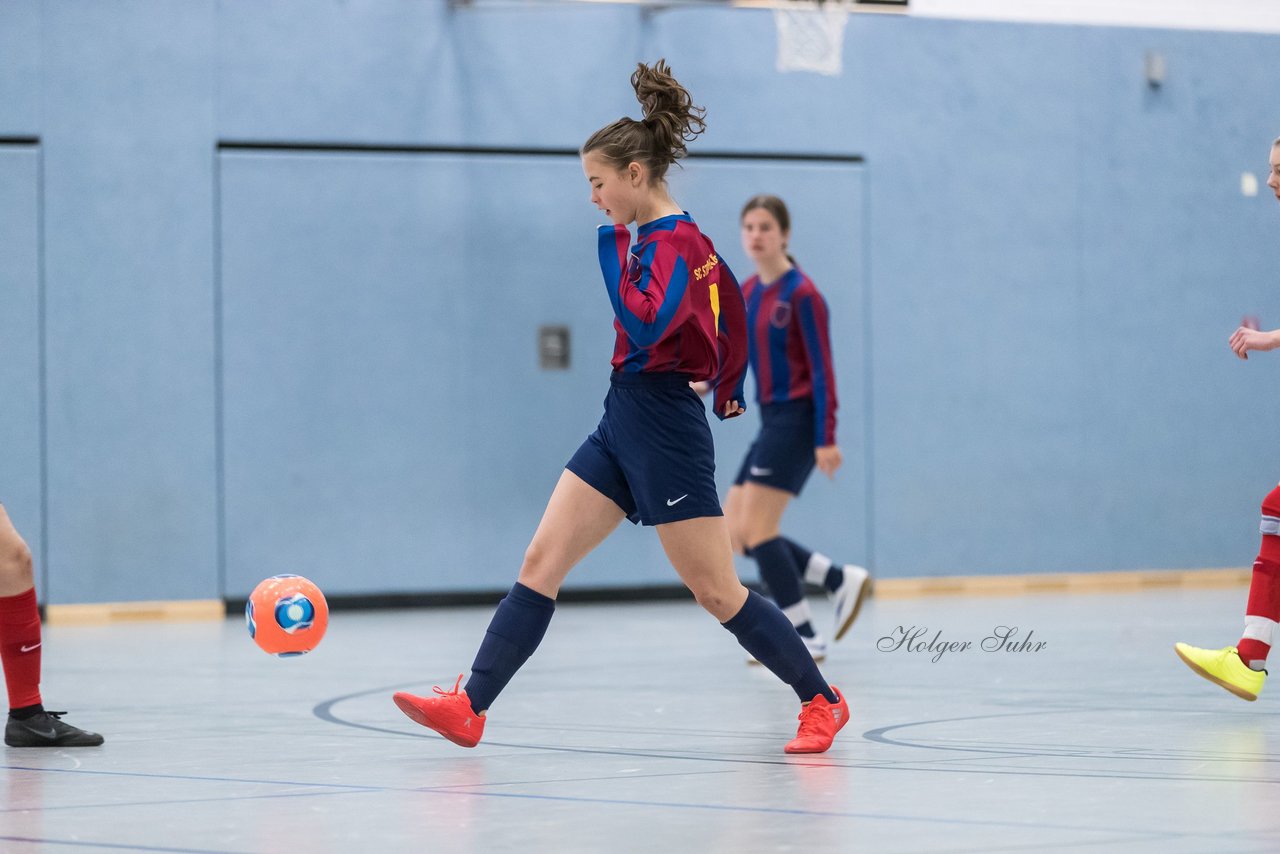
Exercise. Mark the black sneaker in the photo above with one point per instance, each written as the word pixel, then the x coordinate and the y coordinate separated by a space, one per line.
pixel 46 729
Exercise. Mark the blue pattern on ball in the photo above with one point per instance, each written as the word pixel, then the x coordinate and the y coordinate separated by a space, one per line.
pixel 295 613
pixel 248 618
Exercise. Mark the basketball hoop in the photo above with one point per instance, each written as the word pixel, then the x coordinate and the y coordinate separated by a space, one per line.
pixel 811 35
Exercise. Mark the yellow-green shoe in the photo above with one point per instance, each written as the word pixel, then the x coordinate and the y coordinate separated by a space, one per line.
pixel 1224 667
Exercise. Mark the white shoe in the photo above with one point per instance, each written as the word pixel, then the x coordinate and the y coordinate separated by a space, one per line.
pixel 816 645
pixel 849 596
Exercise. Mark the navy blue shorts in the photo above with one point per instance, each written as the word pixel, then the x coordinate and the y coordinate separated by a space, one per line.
pixel 652 453
pixel 782 454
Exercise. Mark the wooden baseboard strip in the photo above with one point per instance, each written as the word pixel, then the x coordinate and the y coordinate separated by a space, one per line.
pixel 121 612
pixel 1062 582
pixel 887 588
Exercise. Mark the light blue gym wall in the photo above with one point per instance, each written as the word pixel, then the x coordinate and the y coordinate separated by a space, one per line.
pixel 128 96
pixel 20 492
pixel 1059 254
pixel 20 43
pixel 325 362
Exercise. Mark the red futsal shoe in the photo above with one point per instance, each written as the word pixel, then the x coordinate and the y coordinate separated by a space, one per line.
pixel 820 720
pixel 448 714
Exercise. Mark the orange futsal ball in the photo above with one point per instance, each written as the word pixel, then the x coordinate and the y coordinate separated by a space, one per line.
pixel 287 615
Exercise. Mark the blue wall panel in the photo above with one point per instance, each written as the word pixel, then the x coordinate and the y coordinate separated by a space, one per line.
pixel 20 67
pixel 20 489
pixel 975 303
pixel 1059 253
pixel 411 72
pixel 129 272
pixel 1167 181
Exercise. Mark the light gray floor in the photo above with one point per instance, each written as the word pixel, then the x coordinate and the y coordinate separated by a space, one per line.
pixel 640 728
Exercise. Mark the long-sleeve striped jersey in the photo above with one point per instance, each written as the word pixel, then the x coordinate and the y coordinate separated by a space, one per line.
pixel 791 346
pixel 677 306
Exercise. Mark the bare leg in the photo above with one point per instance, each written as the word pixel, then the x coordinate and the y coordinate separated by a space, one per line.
pixel 577 519
pixel 16 575
pixel 699 550
pixel 733 515
pixel 759 516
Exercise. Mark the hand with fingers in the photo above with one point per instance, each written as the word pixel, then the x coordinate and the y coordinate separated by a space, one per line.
pixel 828 459
pixel 1245 339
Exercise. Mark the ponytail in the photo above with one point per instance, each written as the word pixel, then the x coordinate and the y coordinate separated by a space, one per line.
pixel 659 139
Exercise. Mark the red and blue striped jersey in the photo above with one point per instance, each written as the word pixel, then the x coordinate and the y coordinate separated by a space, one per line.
pixel 677 306
pixel 791 346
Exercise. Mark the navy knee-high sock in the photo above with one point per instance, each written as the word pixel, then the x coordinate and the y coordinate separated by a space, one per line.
pixel 778 571
pixel 765 632
pixel 781 576
pixel 830 576
pixel 514 633
pixel 799 553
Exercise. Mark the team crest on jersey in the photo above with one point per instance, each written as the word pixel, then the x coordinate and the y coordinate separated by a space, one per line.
pixel 781 315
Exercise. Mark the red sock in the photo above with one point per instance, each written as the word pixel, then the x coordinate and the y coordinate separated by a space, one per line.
pixel 1264 589
pixel 1260 616
pixel 20 648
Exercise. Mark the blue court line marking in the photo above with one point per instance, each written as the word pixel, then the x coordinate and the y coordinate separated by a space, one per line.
pixel 155 803
pixel 349 788
pixel 635 729
pixel 82 844
pixel 324 711
pixel 556 780
pixel 444 790
pixel 878 735
pixel 1098 775
pixel 147 775
pixel 1106 752
pixel 1092 845
pixel 675 805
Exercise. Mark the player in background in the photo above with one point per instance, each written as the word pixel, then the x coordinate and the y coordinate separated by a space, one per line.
pixel 678 317
pixel 790 357
pixel 29 725
pixel 1241 669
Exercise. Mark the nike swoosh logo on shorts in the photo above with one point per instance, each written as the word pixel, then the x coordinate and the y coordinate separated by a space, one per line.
pixel 759 472
pixel 672 502
pixel 31 648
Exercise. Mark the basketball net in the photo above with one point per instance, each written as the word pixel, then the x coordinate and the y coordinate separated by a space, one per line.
pixel 811 35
